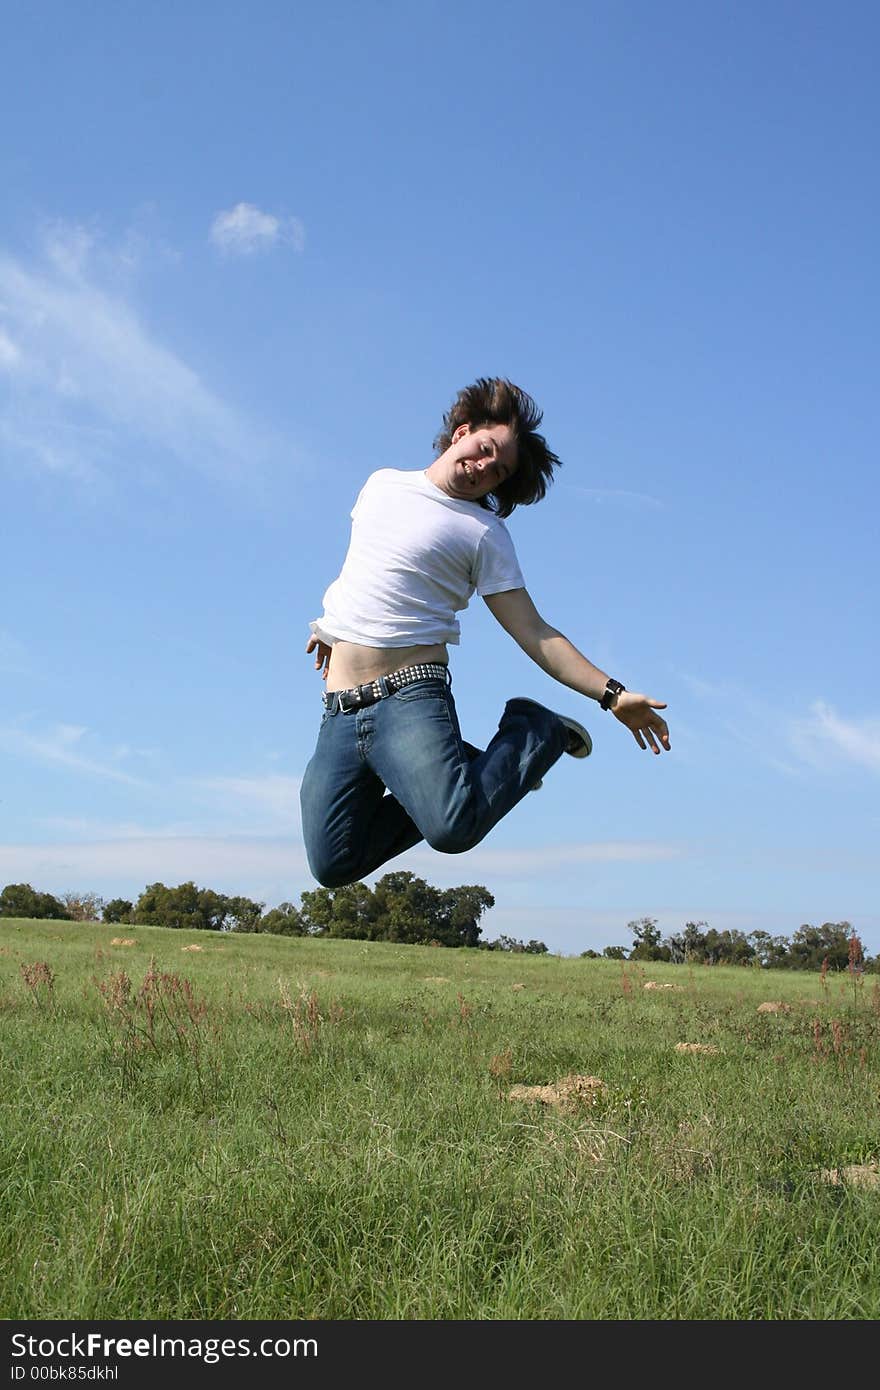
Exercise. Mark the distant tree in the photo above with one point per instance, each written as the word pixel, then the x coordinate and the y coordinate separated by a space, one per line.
pixel 186 906
pixel 353 912
pixel 769 951
pixel 83 907
pixel 518 948
pixel 614 952
pixel 316 911
pixel 117 910
pixel 729 947
pixel 590 954
pixel 401 907
pixel 688 945
pixel 213 908
pixel 408 908
pixel 283 920
pixel 811 945
pixel 459 911
pixel 21 900
pixel 243 914
pixel 646 943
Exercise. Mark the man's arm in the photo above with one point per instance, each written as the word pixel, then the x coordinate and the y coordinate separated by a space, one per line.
pixel 557 656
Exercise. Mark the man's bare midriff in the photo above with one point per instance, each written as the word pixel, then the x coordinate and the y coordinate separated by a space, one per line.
pixel 351 664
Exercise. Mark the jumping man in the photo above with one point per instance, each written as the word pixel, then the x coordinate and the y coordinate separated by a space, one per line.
pixel 390 767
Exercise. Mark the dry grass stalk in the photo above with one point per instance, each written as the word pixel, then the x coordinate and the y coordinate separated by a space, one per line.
pixel 304 1015
pixel 501 1064
pixel 39 978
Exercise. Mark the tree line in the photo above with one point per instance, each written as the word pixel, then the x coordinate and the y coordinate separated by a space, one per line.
pixel 404 908
pixel 401 907
pixel 831 946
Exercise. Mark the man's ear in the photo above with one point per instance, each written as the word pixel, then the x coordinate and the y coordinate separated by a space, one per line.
pixel 460 431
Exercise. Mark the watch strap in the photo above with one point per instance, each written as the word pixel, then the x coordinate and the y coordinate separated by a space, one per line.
pixel 611 689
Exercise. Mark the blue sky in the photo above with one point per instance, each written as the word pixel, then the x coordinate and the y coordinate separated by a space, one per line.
pixel 248 255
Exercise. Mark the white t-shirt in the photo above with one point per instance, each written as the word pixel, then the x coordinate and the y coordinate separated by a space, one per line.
pixel 415 558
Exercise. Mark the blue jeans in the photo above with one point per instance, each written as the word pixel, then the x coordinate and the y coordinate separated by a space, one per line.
pixel 439 788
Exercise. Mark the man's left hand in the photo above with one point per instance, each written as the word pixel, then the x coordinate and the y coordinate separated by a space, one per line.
pixel 637 712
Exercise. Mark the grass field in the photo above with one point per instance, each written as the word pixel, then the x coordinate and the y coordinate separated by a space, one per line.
pixel 198 1126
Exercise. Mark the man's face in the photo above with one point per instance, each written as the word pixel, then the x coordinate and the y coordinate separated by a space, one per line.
pixel 479 460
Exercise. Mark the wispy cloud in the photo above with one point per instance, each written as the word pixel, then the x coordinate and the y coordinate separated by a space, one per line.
pixel 245 230
pixel 521 861
pixel 61 745
pixel 824 732
pixel 265 802
pixel 10 355
pixel 87 381
pixel 271 870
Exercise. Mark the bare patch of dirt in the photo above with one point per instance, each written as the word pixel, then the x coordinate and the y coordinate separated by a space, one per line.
pixel 123 941
pixel 437 979
pixel 659 984
pixel 774 1006
pixel 709 1049
pixel 859 1174
pixel 192 948
pixel 566 1094
pixel 518 986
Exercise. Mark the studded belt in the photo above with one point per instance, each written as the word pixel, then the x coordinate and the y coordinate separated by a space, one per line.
pixel 361 695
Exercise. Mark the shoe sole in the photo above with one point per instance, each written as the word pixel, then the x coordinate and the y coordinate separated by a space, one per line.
pixel 585 744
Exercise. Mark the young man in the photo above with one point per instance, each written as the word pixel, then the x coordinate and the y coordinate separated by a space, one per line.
pixel 390 767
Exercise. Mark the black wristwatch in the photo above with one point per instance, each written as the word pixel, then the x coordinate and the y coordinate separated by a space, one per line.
pixel 612 688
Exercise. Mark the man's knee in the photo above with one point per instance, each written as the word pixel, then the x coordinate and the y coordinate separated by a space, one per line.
pixel 332 871
pixel 454 836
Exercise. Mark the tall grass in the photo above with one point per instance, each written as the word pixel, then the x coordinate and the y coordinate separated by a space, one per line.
pixel 294 1128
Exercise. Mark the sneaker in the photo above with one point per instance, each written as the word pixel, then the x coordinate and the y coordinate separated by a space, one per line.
pixel 578 743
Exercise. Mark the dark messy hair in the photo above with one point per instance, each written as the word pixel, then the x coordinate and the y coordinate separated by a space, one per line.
pixel 496 401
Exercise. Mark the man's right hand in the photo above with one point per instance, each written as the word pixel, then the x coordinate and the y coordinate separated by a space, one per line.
pixel 322 654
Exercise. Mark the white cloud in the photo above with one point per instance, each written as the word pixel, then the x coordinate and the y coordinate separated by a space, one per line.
pixel 522 861
pixel 91 380
pixel 271 870
pixel 9 353
pixel 60 745
pixel 825 732
pixel 270 802
pixel 83 828
pixel 244 230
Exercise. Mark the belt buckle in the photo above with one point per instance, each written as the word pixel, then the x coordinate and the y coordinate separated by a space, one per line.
pixel 357 698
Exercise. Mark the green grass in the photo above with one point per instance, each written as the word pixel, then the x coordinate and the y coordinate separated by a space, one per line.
pixel 324 1131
